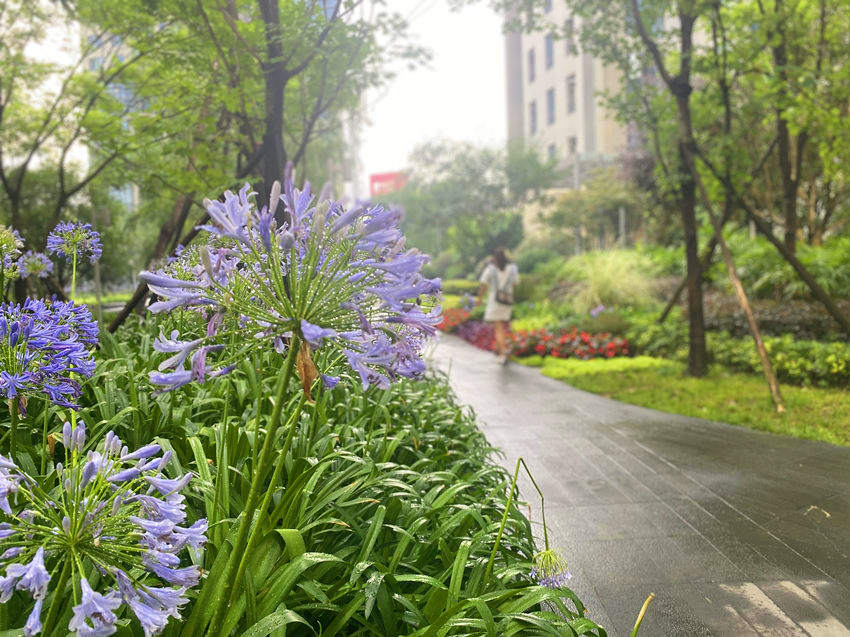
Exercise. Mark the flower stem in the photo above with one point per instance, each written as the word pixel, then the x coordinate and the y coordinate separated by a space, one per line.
pixel 13 427
pixel 74 274
pixel 489 568
pixel 641 614
pixel 255 532
pixel 58 594
pixel 44 447
pixel 238 552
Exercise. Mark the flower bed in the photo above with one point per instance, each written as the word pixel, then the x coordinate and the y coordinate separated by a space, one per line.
pixel 569 344
pixel 288 466
pixel 453 318
pixel 558 344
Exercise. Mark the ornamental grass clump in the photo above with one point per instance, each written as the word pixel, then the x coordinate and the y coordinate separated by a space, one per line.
pixel 106 531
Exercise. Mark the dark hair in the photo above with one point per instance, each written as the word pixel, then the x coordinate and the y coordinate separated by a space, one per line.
pixel 500 258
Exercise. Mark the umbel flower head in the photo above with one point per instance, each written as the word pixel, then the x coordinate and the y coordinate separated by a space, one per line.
pixel 69 239
pixel 550 569
pixel 10 249
pixel 42 345
pixel 335 278
pixel 111 511
pixel 34 264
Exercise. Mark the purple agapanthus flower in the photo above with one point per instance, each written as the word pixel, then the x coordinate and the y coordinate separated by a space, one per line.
pixel 550 569
pixel 34 264
pixel 68 239
pixel 337 279
pixel 95 614
pixel 43 346
pixel 113 498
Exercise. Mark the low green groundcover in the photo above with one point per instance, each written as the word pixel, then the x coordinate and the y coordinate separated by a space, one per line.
pixel 740 399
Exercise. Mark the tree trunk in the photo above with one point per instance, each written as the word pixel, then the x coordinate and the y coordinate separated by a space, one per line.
pixel 166 232
pixel 274 154
pixel 788 175
pixel 705 263
pixel 740 293
pixel 696 319
pixel 789 185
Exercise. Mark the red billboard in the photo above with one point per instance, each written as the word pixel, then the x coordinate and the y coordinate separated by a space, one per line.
pixel 385 183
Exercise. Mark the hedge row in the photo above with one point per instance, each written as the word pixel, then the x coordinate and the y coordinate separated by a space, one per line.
pixel 797 362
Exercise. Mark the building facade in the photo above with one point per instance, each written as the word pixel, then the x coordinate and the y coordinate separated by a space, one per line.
pixel 553 98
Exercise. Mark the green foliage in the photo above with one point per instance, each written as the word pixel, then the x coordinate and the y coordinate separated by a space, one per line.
pixel 802 319
pixel 765 274
pixel 572 368
pixel 529 257
pixel 595 205
pixel 474 238
pixel 613 278
pixel 740 399
pixel 460 286
pixel 798 362
pixel 460 200
pixel 383 514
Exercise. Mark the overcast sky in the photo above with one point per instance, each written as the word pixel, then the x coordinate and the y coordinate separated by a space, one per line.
pixel 459 95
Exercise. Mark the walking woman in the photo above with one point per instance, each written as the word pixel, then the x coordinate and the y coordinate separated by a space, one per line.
pixel 499 277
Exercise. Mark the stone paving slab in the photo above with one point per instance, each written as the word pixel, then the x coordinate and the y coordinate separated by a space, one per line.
pixel 737 532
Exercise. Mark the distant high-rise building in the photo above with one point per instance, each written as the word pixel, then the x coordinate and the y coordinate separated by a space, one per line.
pixel 552 97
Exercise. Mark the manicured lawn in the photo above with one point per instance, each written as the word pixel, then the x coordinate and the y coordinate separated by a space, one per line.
pixel 739 399
pixel 111 297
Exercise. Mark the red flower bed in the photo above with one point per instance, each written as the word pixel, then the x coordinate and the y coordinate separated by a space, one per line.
pixel 452 318
pixel 560 344
pixel 568 343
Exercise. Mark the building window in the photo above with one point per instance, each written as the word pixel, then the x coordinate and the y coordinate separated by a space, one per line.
pixel 570 37
pixel 571 94
pixel 550 106
pixel 532 117
pixel 548 6
pixel 531 72
pixel 551 151
pixel 550 51
pixel 572 145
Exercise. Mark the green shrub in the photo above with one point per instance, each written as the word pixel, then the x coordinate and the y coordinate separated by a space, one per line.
pixel 803 319
pixel 460 286
pixel 445 264
pixel 613 278
pixel 798 362
pixel 668 261
pixel 529 258
pixel 611 322
pixel 766 274
pixel 567 368
pixel 394 495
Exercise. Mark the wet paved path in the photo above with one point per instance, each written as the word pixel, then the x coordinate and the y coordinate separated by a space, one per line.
pixel 737 532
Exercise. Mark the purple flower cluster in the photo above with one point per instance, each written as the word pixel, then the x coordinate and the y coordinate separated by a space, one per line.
pixel 34 264
pixel 113 510
pixel 334 277
pixel 42 345
pixel 597 311
pixel 75 239
pixel 550 570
